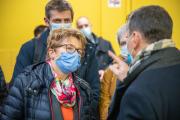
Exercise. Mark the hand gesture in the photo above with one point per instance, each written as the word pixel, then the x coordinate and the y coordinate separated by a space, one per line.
pixel 119 67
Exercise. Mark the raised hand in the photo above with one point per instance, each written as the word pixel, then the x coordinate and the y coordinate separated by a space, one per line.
pixel 119 67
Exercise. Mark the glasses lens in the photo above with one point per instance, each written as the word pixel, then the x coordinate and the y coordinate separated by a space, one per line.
pixel 70 49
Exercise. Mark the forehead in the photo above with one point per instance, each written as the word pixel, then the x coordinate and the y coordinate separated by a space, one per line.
pixel 54 14
pixel 123 40
pixel 83 21
pixel 74 41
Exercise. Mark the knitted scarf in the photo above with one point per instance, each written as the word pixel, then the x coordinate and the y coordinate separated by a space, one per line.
pixel 149 50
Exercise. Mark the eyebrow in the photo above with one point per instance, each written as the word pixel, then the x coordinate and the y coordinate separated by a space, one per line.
pixel 72 45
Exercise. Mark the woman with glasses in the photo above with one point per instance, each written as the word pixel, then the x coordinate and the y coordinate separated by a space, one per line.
pixel 51 90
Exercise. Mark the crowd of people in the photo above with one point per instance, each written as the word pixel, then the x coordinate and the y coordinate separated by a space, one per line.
pixel 67 73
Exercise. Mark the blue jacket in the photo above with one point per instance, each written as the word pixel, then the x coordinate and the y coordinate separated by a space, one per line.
pixel 30 96
pixel 151 91
pixel 88 70
pixel 3 87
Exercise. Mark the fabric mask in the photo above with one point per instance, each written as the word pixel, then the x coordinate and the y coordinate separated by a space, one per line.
pixel 126 55
pixel 87 32
pixel 55 26
pixel 124 51
pixel 68 62
pixel 129 59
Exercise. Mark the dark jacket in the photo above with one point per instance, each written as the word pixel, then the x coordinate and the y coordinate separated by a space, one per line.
pixel 3 87
pixel 151 91
pixel 88 70
pixel 101 48
pixel 30 96
pixel 27 53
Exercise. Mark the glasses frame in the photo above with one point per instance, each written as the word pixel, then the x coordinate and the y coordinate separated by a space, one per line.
pixel 71 49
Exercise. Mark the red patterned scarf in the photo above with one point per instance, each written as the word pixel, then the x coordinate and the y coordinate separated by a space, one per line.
pixel 65 91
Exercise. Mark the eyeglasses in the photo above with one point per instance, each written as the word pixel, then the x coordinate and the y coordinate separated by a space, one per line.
pixel 71 49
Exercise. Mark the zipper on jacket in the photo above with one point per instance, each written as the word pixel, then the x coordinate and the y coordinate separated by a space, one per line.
pixel 25 102
pixel 79 104
pixel 33 93
pixel 33 112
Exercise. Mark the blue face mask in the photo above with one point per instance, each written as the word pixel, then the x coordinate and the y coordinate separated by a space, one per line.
pixel 129 59
pixel 55 26
pixel 87 32
pixel 68 62
pixel 126 55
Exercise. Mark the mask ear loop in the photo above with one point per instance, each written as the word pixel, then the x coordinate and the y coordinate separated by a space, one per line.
pixel 53 50
pixel 132 52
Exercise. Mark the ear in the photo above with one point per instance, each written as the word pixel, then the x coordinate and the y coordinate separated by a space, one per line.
pixel 46 21
pixel 137 40
pixel 51 54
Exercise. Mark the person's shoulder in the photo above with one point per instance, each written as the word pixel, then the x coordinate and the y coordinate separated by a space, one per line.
pixel 35 68
pixel 80 82
pixel 142 82
pixel 28 45
pixel 31 71
pixel 151 80
pixel 101 39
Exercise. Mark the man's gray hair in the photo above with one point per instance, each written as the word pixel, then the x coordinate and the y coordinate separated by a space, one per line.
pixel 122 30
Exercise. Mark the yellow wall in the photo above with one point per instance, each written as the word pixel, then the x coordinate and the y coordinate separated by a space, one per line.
pixel 18 18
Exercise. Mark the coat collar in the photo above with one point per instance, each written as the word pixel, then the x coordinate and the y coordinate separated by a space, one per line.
pixel 44 37
pixel 100 43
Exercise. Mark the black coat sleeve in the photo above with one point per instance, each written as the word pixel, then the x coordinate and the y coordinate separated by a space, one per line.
pixel 112 50
pixel 110 47
pixel 13 105
pixel 3 88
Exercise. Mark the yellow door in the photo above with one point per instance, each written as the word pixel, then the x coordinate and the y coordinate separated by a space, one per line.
pixel 18 18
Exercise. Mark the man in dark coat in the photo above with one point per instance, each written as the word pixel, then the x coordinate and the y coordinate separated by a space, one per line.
pixel 151 88
pixel 59 14
pixel 95 44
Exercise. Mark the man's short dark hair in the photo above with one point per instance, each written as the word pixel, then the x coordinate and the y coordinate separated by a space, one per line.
pixel 39 29
pixel 153 22
pixel 59 5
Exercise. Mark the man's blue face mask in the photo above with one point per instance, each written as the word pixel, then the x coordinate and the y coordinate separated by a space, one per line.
pixel 126 55
pixel 68 62
pixel 55 26
pixel 87 32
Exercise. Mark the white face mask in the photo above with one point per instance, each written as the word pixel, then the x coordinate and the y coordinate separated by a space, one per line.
pixel 55 26
pixel 86 31
pixel 124 51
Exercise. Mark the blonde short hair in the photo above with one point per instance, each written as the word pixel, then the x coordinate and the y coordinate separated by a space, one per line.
pixel 56 38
